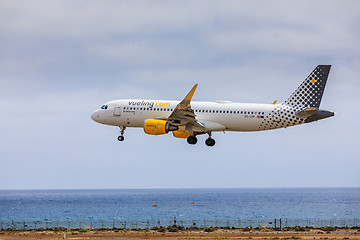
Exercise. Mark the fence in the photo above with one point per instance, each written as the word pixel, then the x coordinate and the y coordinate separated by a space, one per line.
pixel 147 224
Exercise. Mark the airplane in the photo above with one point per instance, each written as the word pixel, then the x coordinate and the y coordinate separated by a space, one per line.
pixel 187 119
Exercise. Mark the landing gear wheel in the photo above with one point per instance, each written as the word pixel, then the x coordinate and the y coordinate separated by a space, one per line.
pixel 122 131
pixel 192 140
pixel 210 142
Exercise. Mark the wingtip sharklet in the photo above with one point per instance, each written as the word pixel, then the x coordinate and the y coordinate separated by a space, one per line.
pixel 191 93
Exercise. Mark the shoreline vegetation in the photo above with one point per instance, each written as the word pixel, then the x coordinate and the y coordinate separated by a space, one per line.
pixel 179 232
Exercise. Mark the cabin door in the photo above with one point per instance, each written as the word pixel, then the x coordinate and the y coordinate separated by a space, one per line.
pixel 117 110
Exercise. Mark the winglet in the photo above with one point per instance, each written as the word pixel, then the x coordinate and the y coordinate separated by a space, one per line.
pixel 191 93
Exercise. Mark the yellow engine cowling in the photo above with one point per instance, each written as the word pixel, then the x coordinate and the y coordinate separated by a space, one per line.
pixel 158 127
pixel 181 134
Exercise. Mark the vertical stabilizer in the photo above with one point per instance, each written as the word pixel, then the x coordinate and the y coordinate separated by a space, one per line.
pixel 310 92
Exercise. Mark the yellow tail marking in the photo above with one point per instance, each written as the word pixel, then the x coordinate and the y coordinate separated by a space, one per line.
pixel 275 102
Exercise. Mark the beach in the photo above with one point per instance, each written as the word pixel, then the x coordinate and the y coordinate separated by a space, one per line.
pixel 197 234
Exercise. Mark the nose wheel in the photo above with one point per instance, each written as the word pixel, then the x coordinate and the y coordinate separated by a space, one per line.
pixel 122 131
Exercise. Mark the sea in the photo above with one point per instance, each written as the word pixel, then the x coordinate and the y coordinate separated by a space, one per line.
pixel 150 207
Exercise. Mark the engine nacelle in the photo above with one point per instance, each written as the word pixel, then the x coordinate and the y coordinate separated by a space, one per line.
pixel 181 134
pixel 158 127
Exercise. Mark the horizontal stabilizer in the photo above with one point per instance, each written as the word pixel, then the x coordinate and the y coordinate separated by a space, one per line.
pixel 307 112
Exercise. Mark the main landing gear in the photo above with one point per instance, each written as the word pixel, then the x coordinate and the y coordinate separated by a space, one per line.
pixel 209 142
pixel 192 140
pixel 122 131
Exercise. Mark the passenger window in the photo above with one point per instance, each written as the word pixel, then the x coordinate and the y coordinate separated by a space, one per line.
pixel 227 112
pixel 230 111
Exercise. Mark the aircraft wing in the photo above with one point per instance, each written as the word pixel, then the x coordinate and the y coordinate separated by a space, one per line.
pixel 183 114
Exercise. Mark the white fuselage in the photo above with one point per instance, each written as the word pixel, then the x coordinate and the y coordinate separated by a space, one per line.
pixel 233 116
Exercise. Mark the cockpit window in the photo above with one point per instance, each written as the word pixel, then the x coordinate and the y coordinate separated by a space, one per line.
pixel 104 106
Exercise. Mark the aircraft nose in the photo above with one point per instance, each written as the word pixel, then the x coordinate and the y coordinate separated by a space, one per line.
pixel 95 116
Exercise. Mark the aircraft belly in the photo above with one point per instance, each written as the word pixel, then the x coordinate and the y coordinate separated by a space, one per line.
pixel 235 123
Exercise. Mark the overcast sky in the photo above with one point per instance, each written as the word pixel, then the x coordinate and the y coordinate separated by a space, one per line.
pixel 61 60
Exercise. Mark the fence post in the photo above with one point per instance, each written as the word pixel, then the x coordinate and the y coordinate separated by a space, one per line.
pixel 204 223
pixel 125 225
pixel 79 224
pixel 216 223
pixel 90 224
pixel 113 224
pixel 68 224
pixel 280 223
pixel 147 224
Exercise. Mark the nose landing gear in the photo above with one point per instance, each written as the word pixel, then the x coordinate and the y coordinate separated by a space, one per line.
pixel 122 131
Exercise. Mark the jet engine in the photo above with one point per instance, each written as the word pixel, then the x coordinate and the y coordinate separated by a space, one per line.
pixel 158 127
pixel 181 134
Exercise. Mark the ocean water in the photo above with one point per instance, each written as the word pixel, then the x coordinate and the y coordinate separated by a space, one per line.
pixel 209 204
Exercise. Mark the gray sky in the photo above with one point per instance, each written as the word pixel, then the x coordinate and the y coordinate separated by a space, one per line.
pixel 61 60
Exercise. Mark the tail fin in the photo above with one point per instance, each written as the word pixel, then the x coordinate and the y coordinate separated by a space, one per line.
pixel 310 92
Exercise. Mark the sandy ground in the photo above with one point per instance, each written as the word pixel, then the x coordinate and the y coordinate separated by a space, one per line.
pixel 218 234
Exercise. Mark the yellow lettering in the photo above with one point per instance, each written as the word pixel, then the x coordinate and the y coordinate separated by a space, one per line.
pixel 162 104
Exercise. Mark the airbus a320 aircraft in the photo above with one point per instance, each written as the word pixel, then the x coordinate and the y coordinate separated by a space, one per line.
pixel 188 119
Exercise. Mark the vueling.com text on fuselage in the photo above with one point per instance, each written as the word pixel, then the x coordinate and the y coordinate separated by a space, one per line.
pixel 149 104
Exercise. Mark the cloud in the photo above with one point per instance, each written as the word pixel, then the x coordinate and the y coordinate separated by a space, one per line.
pixel 61 60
